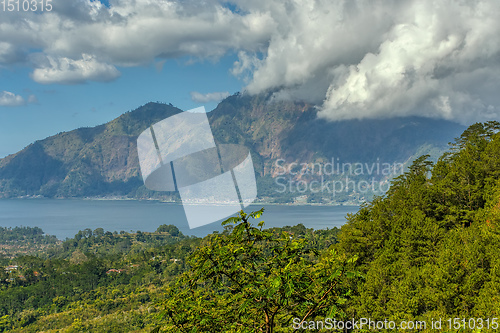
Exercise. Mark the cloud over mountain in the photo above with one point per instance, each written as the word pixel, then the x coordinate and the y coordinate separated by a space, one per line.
pixel 208 97
pixel 355 59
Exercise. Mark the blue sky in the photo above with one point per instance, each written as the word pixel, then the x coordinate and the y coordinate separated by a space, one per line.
pixel 62 107
pixel 85 63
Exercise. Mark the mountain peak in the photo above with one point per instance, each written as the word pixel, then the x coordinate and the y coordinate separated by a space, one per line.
pixel 102 160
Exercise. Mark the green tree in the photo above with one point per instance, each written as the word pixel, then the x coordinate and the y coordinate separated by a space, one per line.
pixel 171 229
pixel 254 280
pixel 429 248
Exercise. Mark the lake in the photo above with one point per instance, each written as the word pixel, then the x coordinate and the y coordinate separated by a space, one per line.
pixel 64 218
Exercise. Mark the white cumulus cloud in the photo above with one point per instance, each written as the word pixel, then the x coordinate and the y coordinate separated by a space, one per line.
pixel 68 71
pixel 10 99
pixel 367 59
pixel 136 32
pixel 208 97
pixel 9 54
pixel 354 59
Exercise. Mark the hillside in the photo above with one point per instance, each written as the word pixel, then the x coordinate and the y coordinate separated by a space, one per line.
pixel 85 162
pixel 425 254
pixel 102 160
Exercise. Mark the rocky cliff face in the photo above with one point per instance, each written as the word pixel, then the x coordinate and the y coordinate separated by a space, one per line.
pixel 292 131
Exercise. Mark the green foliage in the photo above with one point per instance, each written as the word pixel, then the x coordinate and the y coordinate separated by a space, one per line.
pixel 108 243
pixel 171 229
pixel 104 282
pixel 249 279
pixel 24 240
pixel 429 248
pixel 25 234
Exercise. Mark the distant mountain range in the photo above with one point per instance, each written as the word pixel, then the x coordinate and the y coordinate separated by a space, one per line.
pixel 102 160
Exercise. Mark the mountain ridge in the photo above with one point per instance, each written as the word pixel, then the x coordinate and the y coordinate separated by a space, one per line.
pixel 102 160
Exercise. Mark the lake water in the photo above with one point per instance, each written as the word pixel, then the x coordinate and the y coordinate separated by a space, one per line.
pixel 64 218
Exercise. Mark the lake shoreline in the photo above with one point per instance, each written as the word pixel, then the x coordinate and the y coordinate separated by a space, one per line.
pixel 65 217
pixel 122 198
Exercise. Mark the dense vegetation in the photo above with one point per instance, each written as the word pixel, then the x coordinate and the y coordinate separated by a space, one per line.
pixel 108 282
pixel 24 240
pixel 428 249
pixel 25 234
pixel 255 280
pixel 95 274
